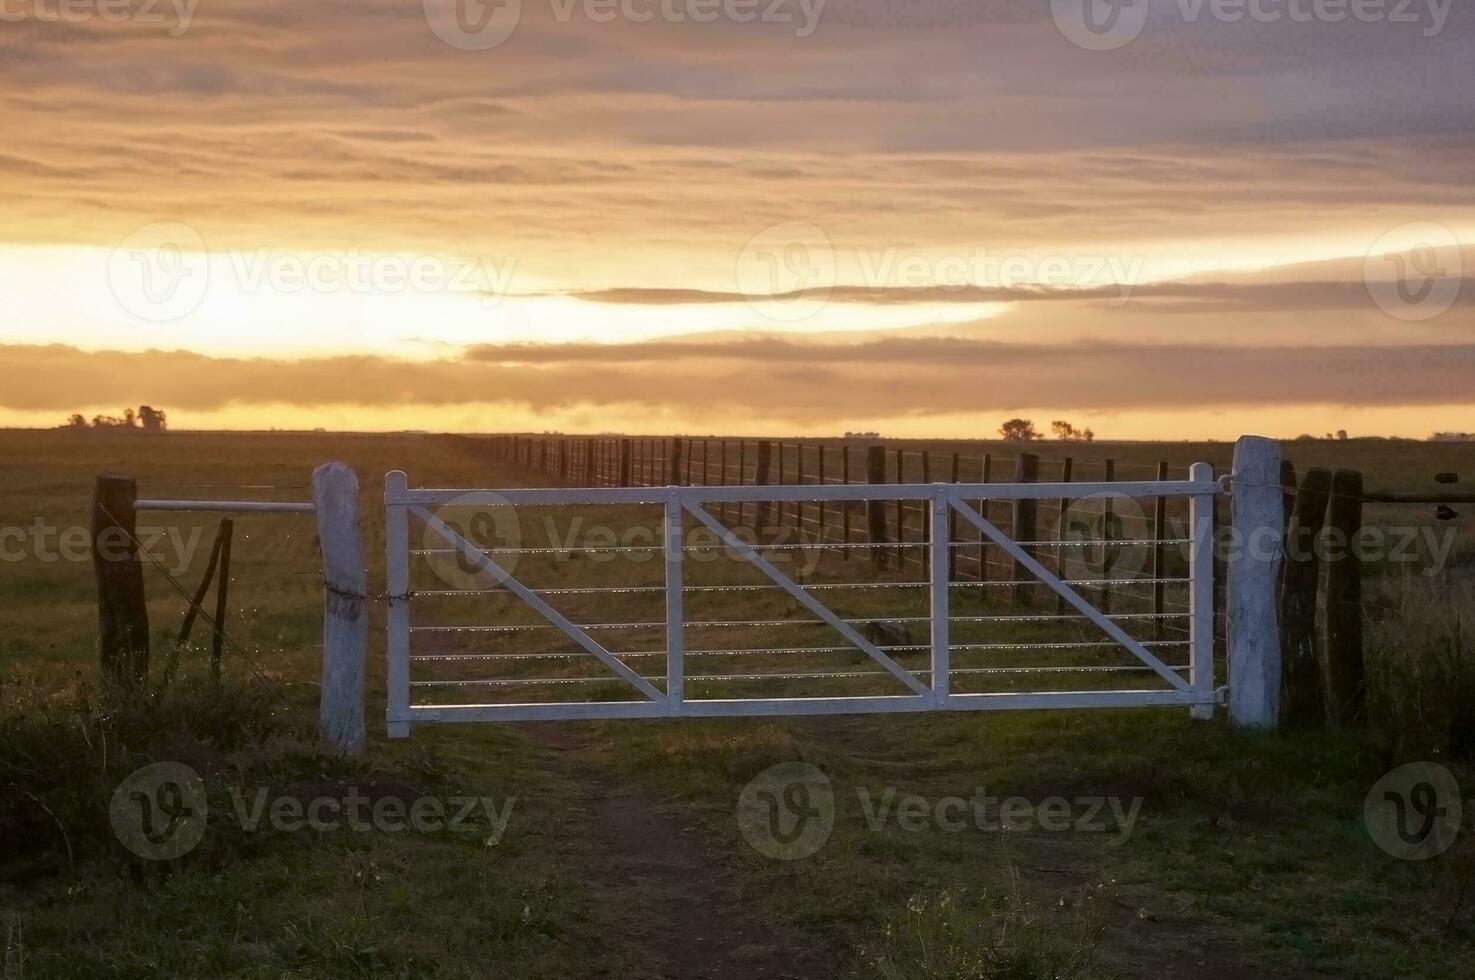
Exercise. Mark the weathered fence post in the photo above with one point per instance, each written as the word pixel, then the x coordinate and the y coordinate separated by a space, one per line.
pixel 625 449
pixel 1026 524
pixel 876 509
pixel 1341 645
pixel 675 461
pixel 1298 583
pixel 222 599
pixel 122 613
pixel 760 479
pixel 1254 575
pixel 335 495
pixel 1062 534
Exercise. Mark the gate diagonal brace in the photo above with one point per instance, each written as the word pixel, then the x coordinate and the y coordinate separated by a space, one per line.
pixel 814 605
pixel 1070 595
pixel 486 566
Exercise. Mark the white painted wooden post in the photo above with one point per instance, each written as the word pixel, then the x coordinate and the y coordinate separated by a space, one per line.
pixel 335 495
pixel 940 548
pixel 397 581
pixel 675 615
pixel 1257 547
pixel 1201 591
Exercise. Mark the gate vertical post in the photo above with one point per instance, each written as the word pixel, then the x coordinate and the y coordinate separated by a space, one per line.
pixel 1025 527
pixel 940 541
pixel 1254 577
pixel 1201 590
pixel 625 451
pixel 675 624
pixel 335 497
pixel 397 576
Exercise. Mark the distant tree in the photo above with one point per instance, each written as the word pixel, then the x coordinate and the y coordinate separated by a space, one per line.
pixel 77 421
pixel 106 422
pixel 1019 430
pixel 130 419
pixel 152 419
pixel 1341 435
pixel 1066 432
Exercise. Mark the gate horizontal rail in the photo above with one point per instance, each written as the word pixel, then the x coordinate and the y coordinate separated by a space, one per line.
pixel 929 685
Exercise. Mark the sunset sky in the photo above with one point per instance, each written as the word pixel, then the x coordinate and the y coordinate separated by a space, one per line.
pixel 916 217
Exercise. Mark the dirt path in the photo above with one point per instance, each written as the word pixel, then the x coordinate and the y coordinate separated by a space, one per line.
pixel 669 893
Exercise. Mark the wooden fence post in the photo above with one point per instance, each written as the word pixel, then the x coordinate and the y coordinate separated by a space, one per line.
pixel 1302 700
pixel 335 495
pixel 1026 523
pixel 876 509
pixel 222 598
pixel 675 461
pixel 625 450
pixel 1062 533
pixel 1341 646
pixel 1254 575
pixel 985 475
pixel 760 479
pixel 122 613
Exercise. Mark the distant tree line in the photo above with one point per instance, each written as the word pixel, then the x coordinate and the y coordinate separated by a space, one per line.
pixel 1023 430
pixel 146 419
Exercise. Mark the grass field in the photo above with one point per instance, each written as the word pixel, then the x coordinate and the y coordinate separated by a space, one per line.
pixel 622 855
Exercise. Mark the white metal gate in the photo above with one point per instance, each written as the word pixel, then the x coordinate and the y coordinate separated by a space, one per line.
pixel 685 511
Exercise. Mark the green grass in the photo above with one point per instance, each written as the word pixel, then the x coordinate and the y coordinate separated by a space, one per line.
pixel 1248 857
